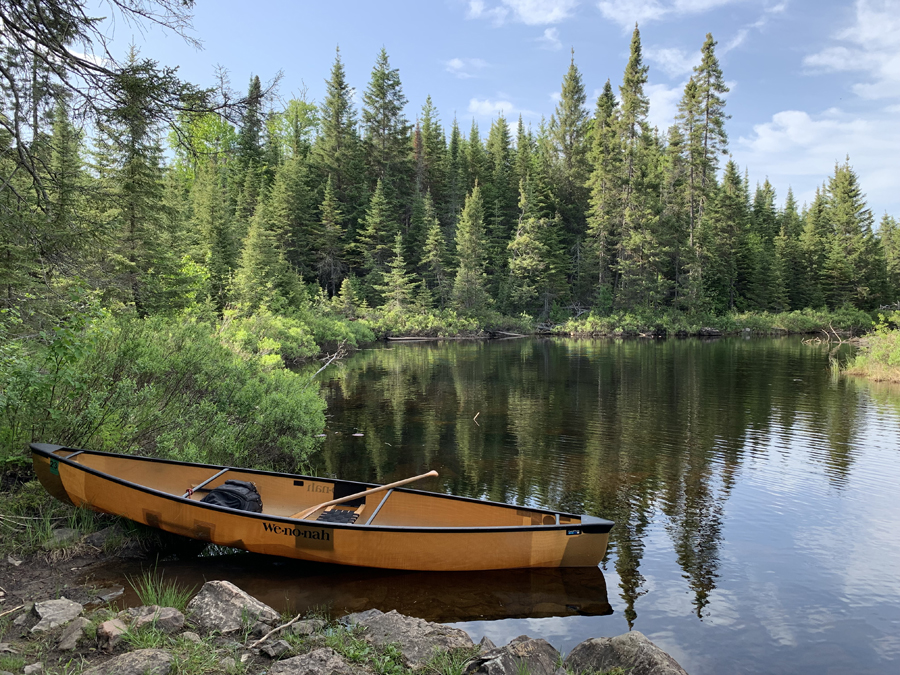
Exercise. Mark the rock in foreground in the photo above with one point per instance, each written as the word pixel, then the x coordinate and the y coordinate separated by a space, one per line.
pixel 536 657
pixel 322 661
pixel 140 662
pixel 221 606
pixel 631 651
pixel 418 639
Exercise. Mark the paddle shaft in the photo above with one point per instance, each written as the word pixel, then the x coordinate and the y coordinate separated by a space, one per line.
pixel 303 514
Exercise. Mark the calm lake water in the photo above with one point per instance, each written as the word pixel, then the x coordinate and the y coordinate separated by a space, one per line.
pixel 756 497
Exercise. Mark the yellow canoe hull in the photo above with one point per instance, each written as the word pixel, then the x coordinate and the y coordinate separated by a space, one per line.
pixel 411 530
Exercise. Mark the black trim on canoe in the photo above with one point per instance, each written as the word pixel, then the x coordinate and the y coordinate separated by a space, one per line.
pixel 588 524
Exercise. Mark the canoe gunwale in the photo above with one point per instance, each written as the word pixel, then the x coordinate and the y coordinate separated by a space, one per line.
pixel 589 524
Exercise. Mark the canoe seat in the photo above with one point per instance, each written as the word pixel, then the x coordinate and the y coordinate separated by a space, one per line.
pixel 338 516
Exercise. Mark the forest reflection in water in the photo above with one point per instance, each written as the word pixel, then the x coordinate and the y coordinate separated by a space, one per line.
pixel 710 453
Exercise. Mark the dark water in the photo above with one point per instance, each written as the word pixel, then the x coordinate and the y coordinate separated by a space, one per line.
pixel 756 497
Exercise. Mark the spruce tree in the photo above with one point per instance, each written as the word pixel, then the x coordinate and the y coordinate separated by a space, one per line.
pixel 889 236
pixel 263 275
pixel 293 217
pixel 723 232
pixel 338 150
pixel 330 262
pixel 375 241
pixel 435 264
pixel 470 286
pixel 387 132
pixel 569 129
pixel 710 91
pixel 398 286
pixel 211 216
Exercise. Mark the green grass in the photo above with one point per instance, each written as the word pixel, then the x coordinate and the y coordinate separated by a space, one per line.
pixel 153 589
pixel 879 357
pixel 451 662
pixel 12 662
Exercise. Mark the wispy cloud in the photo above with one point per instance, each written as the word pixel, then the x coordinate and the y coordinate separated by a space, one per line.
pixel 465 68
pixel 663 104
pixel 550 39
pixel 673 61
pixel 491 108
pixel 530 12
pixel 627 12
pixel 870 46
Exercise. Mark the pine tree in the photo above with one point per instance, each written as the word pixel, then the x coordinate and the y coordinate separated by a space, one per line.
pixel 293 217
pixel 434 153
pixel 263 275
pixel 250 137
pixel 710 91
pixel 569 129
pixel 375 240
pixel 723 230
pixel 606 195
pixel 337 150
pixel 889 236
pixel 330 261
pixel 457 179
pixel 499 195
pixel 850 268
pixel 435 264
pixel 470 286
pixel 128 159
pixel 398 286
pixel 217 246
pixel 536 264
pixel 387 132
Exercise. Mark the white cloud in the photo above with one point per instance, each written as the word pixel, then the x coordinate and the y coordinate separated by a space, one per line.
pixel 555 97
pixel 492 108
pixel 530 12
pixel 550 39
pixel 799 149
pixel 870 46
pixel 673 61
pixel 465 68
pixel 663 104
pixel 628 12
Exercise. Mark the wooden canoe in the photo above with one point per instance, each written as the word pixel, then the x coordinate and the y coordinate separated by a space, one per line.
pixel 398 529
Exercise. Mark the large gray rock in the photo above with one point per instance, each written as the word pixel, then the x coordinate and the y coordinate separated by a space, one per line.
pixel 139 662
pixel 536 657
pixel 53 613
pixel 166 619
pixel 418 639
pixel 324 661
pixel 221 606
pixel 73 634
pixel 631 651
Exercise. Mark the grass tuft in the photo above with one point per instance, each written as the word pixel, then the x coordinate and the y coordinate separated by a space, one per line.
pixel 152 589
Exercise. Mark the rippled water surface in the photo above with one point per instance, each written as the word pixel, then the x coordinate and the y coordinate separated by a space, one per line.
pixel 756 497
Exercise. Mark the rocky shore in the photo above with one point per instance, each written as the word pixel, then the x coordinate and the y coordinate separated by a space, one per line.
pixel 224 630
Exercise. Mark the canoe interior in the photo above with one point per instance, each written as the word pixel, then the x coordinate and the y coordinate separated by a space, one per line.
pixel 285 495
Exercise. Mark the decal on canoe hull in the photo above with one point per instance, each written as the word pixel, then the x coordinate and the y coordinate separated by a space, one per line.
pixel 304 537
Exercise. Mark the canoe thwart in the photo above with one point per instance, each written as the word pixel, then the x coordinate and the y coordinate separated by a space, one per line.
pixel 349 498
pixel 191 490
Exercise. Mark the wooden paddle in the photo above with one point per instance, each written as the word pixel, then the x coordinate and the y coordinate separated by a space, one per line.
pixel 303 514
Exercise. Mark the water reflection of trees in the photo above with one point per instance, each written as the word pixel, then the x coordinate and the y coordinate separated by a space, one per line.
pixel 627 430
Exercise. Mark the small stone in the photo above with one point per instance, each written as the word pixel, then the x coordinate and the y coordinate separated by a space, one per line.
pixel 166 619
pixel 417 638
pixel 307 627
pixel 53 613
pixel 109 633
pixel 15 562
pixel 191 636
pixel 632 651
pixel 537 657
pixel 139 662
pixel 6 649
pixel 324 661
pixel 259 629
pixel 73 633
pixel 109 594
pixel 275 649
pixel 486 644
pixel 227 664
pixel 34 668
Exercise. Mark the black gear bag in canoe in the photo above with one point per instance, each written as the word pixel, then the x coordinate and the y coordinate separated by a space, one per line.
pixel 235 494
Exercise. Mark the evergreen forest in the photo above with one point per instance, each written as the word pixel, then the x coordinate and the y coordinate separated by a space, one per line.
pixel 159 237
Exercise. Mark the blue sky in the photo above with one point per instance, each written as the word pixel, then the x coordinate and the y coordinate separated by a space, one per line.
pixel 811 82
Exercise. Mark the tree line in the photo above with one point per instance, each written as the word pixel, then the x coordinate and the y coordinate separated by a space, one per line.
pixel 292 200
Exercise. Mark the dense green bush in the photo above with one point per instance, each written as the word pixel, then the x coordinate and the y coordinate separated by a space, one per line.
pixel 189 389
